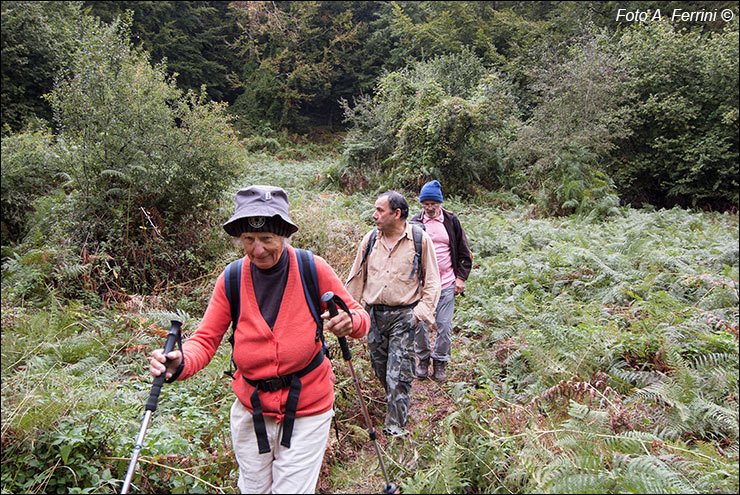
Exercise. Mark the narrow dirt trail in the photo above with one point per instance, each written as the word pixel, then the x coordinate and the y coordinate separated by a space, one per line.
pixel 351 462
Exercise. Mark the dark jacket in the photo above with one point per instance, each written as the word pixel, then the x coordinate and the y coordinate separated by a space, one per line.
pixel 462 257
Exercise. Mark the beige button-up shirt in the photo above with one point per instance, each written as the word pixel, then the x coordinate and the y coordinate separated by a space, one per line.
pixel 384 277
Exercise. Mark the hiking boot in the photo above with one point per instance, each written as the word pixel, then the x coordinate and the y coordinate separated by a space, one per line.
pixel 395 431
pixel 439 371
pixel 422 371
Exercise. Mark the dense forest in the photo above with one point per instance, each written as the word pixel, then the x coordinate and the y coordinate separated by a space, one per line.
pixel 589 148
pixel 517 96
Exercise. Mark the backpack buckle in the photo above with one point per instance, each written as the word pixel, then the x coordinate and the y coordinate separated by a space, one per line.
pixel 274 384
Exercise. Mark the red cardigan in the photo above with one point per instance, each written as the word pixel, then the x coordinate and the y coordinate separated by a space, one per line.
pixel 261 353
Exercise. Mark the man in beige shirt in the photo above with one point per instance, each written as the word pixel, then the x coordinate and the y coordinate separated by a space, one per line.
pixel 400 288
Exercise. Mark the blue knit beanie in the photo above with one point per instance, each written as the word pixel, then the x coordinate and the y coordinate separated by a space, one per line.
pixel 431 191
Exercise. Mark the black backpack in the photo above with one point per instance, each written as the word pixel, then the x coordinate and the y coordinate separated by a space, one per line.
pixel 309 279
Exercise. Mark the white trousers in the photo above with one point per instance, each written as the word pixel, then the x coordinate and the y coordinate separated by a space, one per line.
pixel 282 470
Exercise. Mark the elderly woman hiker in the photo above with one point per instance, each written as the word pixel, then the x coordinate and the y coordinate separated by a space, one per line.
pixel 284 384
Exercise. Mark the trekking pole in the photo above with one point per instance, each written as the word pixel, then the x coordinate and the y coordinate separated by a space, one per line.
pixel 328 298
pixel 151 404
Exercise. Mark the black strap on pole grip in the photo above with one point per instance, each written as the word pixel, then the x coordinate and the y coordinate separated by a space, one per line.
pixel 332 301
pixel 172 338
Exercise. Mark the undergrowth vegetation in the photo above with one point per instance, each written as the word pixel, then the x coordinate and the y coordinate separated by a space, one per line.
pixel 602 356
pixel 596 348
pixel 606 357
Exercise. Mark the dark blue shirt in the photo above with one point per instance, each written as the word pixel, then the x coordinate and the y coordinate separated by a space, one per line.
pixel 269 285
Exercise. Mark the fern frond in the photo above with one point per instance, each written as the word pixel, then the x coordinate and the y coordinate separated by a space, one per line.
pixel 93 368
pixel 582 417
pixel 667 430
pixel 72 271
pixel 117 174
pixel 715 360
pixel 668 394
pixel 581 483
pixel 622 371
pixel 631 442
pixel 116 192
pixel 576 410
pixel 443 475
pixel 723 418
pixel 649 474
pixel 732 451
pixel 83 366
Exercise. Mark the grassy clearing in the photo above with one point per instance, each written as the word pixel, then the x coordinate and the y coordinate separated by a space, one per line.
pixel 589 356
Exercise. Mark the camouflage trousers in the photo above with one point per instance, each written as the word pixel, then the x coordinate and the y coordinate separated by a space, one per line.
pixel 391 344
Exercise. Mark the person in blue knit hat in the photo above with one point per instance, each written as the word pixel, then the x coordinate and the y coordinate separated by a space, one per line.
pixel 431 191
pixel 455 261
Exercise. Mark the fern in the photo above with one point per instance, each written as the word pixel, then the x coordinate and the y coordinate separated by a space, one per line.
pixel 115 174
pixel 718 418
pixel 442 475
pixel 72 271
pixel 650 474
pixel 631 442
pixel 637 378
pixel 591 460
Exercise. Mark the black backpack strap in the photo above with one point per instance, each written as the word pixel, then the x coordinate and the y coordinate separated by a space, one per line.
pixel 263 444
pixel 368 248
pixel 310 281
pixel 291 406
pixel 232 285
pixel 417 257
pixel 417 233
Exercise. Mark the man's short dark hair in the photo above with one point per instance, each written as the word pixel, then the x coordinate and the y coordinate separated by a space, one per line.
pixel 397 202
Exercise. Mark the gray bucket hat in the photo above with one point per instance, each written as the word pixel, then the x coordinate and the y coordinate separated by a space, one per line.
pixel 261 209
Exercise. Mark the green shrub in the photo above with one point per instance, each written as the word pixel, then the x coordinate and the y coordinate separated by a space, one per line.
pixel 146 162
pixel 558 152
pixel 448 119
pixel 683 142
pixel 59 461
pixel 30 169
pixel 575 185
